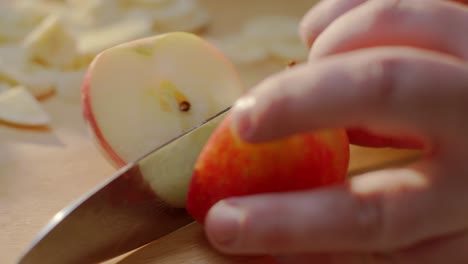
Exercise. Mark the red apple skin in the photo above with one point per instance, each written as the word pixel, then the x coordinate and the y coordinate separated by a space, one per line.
pixel 228 166
pixel 100 142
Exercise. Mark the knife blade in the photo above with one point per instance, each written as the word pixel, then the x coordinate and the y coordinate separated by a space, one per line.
pixel 121 214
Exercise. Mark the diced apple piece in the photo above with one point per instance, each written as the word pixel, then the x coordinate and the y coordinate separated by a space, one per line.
pixel 289 49
pixel 7 77
pixel 51 44
pixel 278 34
pixel 263 37
pixel 94 13
pixel 150 3
pixel 175 9
pixel 19 107
pixel 144 4
pixel 195 21
pixel 176 15
pixel 18 18
pixel 271 28
pixel 37 80
pixel 29 13
pixel 241 49
pixel 139 95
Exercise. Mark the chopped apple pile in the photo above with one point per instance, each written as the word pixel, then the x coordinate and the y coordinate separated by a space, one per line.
pixel 138 95
pixel 46 46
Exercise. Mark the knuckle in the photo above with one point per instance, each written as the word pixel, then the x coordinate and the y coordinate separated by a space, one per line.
pixel 369 218
pixel 378 222
pixel 387 10
pixel 375 222
pixel 383 79
pixel 263 231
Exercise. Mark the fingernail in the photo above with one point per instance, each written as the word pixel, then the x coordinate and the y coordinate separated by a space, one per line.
pixel 223 224
pixel 241 116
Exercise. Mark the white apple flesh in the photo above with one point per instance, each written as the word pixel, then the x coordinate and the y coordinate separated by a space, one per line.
pixel 19 107
pixel 139 95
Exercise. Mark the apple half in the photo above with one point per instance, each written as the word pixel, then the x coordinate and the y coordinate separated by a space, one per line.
pixel 138 95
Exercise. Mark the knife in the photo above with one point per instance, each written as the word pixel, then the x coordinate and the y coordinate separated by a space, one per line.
pixel 121 214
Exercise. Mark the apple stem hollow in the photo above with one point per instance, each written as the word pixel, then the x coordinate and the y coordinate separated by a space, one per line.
pixel 291 64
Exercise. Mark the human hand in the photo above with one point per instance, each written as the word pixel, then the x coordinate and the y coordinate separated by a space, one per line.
pixel 396 70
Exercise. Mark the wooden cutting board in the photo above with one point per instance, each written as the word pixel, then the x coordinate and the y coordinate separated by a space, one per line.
pixel 43 170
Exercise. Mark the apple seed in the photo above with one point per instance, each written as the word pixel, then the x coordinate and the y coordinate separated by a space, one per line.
pixel 184 106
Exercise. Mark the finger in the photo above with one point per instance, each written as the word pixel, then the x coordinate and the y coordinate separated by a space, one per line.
pixel 451 249
pixel 398 23
pixel 380 88
pixel 378 212
pixel 322 15
pixel 364 137
pixel 461 1
pixel 327 11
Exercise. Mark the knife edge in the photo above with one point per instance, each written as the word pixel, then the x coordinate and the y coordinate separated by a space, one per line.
pixel 129 213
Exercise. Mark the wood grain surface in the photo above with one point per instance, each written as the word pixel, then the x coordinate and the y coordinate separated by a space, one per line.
pixel 43 170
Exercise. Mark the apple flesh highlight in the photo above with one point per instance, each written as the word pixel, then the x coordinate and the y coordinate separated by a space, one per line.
pixel 141 94
pixel 169 175
pixel 228 166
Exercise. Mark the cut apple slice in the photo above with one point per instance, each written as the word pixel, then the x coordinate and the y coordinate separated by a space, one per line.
pixel 175 9
pixel 7 77
pixel 135 94
pixel 271 28
pixel 242 49
pixel 148 3
pixel 95 13
pixel 51 44
pixel 37 80
pixel 17 18
pixel 19 107
pixel 139 95
pixel 195 21
pixel 289 49
pixel 177 15
pixel 99 39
